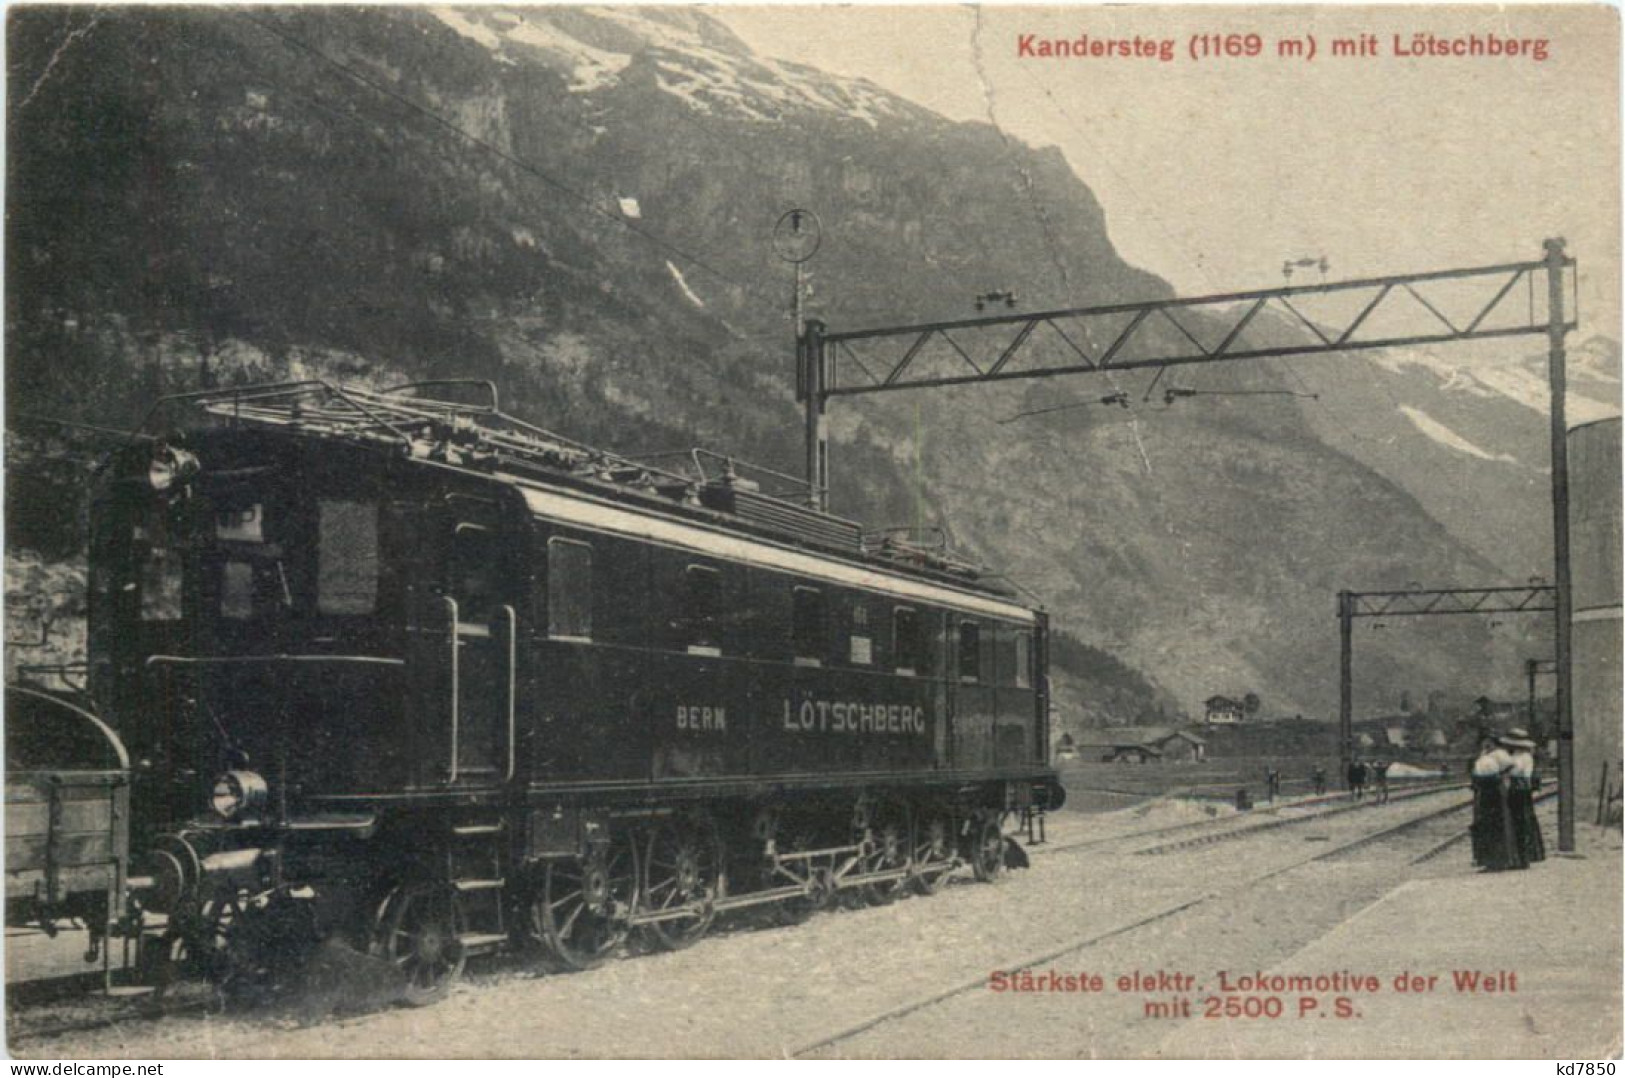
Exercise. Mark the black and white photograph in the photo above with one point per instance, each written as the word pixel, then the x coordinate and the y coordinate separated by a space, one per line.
pixel 812 532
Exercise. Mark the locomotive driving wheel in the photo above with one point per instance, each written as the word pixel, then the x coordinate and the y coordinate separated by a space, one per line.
pixel 987 846
pixel 418 932
pixel 680 870
pixel 888 851
pixel 580 912
pixel 933 851
pixel 820 893
pixel 195 944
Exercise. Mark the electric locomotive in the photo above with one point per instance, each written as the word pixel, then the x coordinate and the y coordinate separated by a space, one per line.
pixel 413 675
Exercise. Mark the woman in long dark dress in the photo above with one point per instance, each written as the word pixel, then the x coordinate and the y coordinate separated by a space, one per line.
pixel 1495 842
pixel 1521 796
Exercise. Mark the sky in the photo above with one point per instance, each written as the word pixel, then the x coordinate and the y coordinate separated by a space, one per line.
pixel 1213 171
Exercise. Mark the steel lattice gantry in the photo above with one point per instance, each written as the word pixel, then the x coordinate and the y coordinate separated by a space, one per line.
pixel 1378 312
pixel 1206 329
pixel 1416 602
pixel 1420 602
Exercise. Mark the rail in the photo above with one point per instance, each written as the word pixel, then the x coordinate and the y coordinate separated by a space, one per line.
pixel 456 642
pixel 1336 805
pixel 512 620
pixel 1092 939
pixel 244 660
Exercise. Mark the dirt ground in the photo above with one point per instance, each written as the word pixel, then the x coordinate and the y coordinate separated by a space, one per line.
pixel 773 992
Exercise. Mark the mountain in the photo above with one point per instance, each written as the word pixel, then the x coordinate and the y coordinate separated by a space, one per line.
pixel 1468 436
pixel 578 205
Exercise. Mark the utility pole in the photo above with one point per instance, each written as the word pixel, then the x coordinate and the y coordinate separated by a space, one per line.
pixel 1557 365
pixel 1529 669
pixel 816 399
pixel 1345 689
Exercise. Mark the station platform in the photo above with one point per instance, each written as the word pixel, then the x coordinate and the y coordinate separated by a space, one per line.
pixel 1555 928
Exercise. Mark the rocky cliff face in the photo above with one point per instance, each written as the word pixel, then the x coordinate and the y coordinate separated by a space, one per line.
pixel 579 206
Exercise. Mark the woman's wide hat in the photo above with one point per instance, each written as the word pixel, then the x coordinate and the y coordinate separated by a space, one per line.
pixel 1516 738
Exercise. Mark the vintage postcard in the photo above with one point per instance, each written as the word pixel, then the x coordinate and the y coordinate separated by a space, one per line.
pixel 813 532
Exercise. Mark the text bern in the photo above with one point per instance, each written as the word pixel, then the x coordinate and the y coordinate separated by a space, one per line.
pixel 815 716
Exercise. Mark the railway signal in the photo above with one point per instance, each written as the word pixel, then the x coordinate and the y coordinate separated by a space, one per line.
pixel 796 238
pixel 1533 668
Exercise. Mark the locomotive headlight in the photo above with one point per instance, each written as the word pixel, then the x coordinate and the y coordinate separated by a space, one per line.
pixel 238 794
pixel 170 466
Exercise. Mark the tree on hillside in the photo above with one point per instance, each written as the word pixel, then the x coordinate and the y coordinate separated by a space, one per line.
pixel 1250 704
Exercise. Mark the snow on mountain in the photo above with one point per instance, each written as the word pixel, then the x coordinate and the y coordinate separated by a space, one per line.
pixel 682 282
pixel 1449 438
pixel 589 67
pixel 1593 374
pixel 696 59
pixel 1465 429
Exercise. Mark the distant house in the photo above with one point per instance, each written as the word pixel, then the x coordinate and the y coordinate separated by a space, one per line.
pixel 1398 737
pixel 1498 710
pixel 1223 711
pixel 1141 745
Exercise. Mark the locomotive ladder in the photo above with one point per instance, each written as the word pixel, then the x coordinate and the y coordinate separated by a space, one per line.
pixel 474 868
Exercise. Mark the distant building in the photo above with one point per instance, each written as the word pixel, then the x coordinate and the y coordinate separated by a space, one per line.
pixel 1141 745
pixel 1223 711
pixel 1499 711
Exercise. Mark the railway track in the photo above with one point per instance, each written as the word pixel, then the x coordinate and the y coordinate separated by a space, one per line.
pixel 1405 827
pixel 1456 838
pixel 1226 828
pixel 767 968
pixel 124 1013
pixel 139 1011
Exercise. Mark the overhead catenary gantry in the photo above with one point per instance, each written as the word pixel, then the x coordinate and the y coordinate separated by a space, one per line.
pixel 1212 329
pixel 1417 602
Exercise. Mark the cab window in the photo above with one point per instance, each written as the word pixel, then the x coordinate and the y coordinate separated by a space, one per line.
pixel 346 557
pixel 161 585
pixel 700 618
pixel 807 626
pixel 569 589
pixel 860 640
pixel 1024 660
pixel 908 646
pixel 475 573
pixel 970 651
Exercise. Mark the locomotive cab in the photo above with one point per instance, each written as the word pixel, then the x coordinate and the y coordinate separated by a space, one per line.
pixel 288 633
